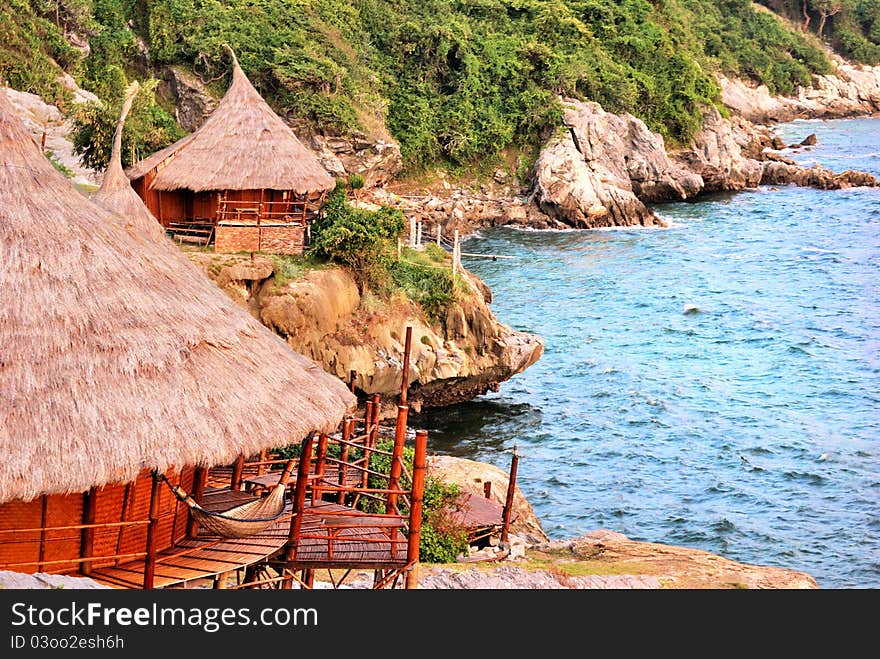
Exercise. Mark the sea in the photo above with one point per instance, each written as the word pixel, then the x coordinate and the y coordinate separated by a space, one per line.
pixel 714 384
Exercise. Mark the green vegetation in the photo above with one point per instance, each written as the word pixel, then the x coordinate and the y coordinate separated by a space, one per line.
pixel 362 241
pixel 365 243
pixel 457 83
pixel 851 27
pixel 442 536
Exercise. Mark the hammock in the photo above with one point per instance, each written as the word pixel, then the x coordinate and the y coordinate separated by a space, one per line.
pixel 246 519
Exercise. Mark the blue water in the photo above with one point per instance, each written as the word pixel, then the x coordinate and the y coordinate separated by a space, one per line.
pixel 714 384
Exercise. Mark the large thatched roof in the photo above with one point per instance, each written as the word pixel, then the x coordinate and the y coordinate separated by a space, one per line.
pixel 243 145
pixel 117 353
pixel 116 193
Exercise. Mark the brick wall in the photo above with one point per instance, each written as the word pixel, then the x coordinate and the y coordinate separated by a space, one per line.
pixel 270 238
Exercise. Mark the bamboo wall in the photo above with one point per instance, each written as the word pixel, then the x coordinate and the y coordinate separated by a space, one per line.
pixel 49 550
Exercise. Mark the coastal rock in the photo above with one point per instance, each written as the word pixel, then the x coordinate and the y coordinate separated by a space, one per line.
pixel 853 90
pixel 322 315
pixel 603 167
pixel 784 173
pixel 716 156
pixel 471 476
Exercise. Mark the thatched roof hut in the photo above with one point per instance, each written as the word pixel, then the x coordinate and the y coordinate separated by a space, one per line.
pixel 116 193
pixel 118 355
pixel 243 145
pixel 244 164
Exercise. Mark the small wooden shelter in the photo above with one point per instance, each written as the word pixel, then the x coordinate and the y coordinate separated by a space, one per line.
pixel 243 178
pixel 122 365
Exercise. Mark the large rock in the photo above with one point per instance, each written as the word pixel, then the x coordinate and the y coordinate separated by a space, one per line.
pixel 853 90
pixel 716 156
pixel 10 580
pixel 324 316
pixel 602 168
pixel 42 118
pixel 377 159
pixel 194 103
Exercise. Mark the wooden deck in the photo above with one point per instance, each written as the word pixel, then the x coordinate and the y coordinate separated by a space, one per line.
pixel 480 515
pixel 205 557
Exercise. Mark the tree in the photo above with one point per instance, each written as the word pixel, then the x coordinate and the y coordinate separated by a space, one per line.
pixel 826 8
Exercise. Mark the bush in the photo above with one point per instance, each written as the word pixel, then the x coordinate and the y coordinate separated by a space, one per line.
pixel 442 537
pixel 362 241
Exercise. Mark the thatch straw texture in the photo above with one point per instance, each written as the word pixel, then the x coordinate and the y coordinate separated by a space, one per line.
pixel 243 145
pixel 116 193
pixel 118 354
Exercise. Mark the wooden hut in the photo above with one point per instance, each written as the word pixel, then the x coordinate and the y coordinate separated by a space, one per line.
pixel 121 365
pixel 243 178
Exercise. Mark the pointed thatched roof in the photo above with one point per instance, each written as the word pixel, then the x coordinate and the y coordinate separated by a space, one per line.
pixel 116 193
pixel 243 145
pixel 118 354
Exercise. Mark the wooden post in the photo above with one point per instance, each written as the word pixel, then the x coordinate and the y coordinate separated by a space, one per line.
pixel 123 516
pixel 439 229
pixel 152 529
pixel 487 489
pixel 415 511
pixel 237 471
pixel 508 503
pixel 200 479
pixel 377 409
pixel 412 232
pixel 418 234
pixel 43 142
pixel 352 374
pixel 343 457
pixel 396 458
pixel 264 455
pixel 368 420
pixel 44 517
pixel 320 461
pixel 299 499
pixel 455 254
pixel 404 376
pixel 87 541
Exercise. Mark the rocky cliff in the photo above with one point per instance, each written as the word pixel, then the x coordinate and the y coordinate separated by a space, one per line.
pixel 602 169
pixel 465 353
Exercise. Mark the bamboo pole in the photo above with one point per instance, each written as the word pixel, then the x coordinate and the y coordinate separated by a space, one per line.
pixel 508 503
pixel 439 229
pixel 152 529
pixel 415 509
pixel 404 376
pixel 87 543
pixel 396 458
pixel 200 479
pixel 352 374
pixel 123 517
pixel 299 500
pixel 320 461
pixel 237 471
pixel 343 457
pixel 455 254
pixel 377 409
pixel 44 517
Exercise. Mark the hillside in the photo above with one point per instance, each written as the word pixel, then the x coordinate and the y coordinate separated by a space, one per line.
pixel 458 84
